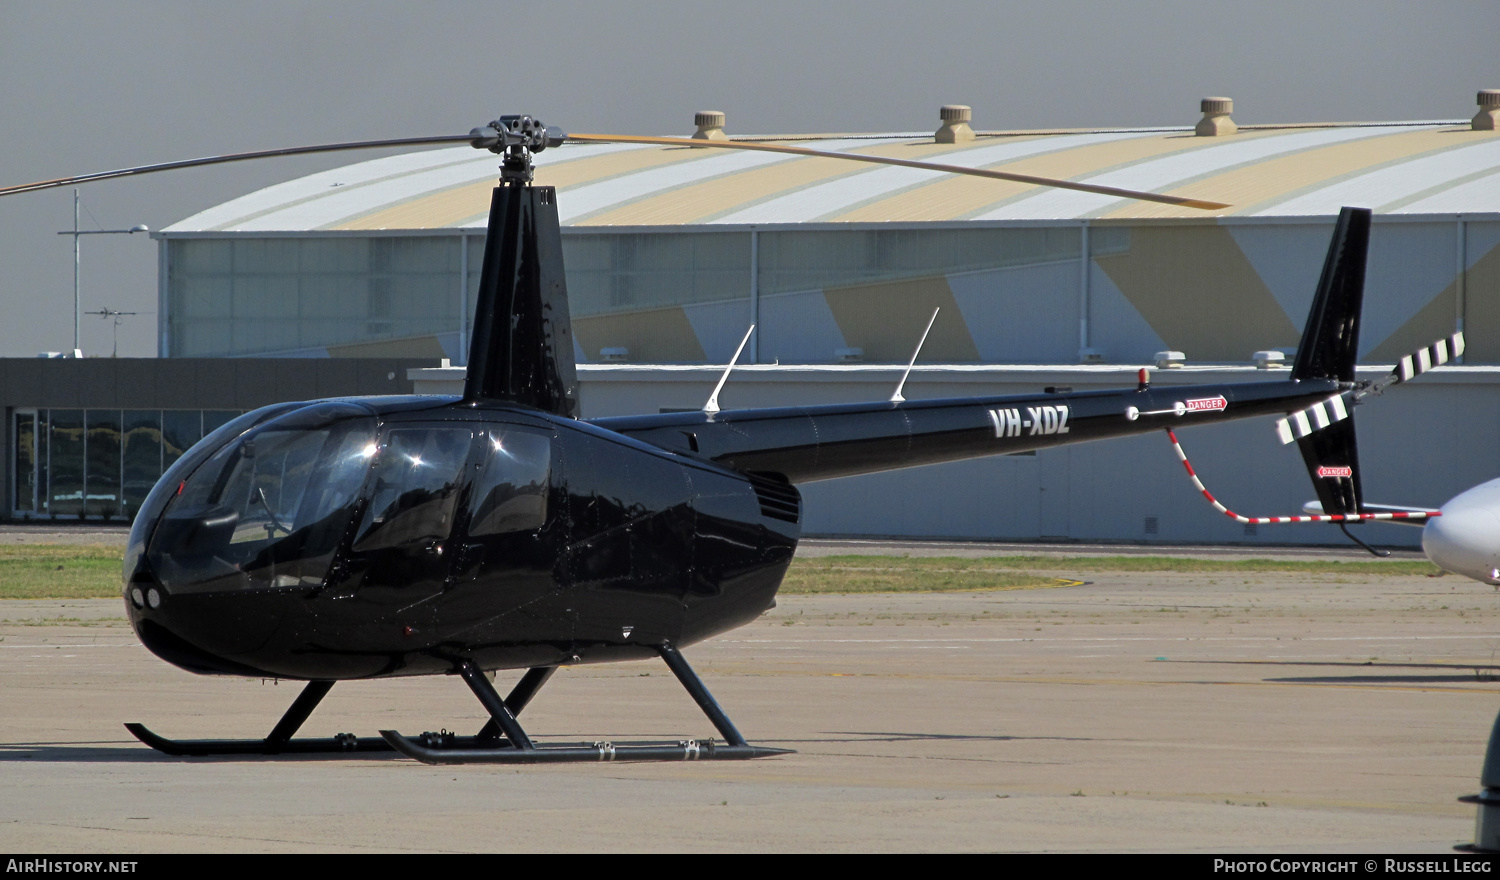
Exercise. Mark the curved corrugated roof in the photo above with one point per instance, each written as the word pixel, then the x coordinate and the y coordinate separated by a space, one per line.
pixel 1397 168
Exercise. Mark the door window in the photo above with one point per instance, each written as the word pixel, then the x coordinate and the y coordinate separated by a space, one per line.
pixel 416 481
pixel 511 495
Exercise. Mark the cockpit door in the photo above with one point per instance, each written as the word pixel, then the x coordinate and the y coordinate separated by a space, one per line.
pixel 398 560
pixel 503 586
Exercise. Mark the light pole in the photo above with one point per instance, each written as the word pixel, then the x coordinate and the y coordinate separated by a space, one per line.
pixel 77 263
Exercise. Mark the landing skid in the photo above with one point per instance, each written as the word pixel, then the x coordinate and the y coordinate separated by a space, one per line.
pixel 500 741
pixel 338 744
pixel 687 750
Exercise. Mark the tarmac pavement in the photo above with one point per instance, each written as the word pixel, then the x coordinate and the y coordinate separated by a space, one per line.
pixel 1137 712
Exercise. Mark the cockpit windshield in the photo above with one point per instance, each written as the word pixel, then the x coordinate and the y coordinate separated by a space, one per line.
pixel 270 509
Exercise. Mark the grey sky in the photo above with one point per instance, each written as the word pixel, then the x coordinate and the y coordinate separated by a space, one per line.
pixel 90 86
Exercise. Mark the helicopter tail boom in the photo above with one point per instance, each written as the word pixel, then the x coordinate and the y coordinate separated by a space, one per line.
pixel 806 444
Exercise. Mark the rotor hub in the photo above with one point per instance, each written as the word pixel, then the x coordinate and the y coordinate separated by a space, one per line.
pixel 516 138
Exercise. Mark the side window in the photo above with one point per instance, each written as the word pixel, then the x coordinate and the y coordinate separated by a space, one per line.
pixel 511 494
pixel 416 482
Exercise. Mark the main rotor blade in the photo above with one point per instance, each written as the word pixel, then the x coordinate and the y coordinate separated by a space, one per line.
pixel 626 139
pixel 234 157
pixel 906 163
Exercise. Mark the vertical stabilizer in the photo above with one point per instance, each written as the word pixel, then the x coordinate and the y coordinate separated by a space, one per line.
pixel 1329 346
pixel 522 347
pixel 1332 459
pixel 1330 341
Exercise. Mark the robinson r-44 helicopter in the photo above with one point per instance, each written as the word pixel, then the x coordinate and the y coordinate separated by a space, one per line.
pixel 362 538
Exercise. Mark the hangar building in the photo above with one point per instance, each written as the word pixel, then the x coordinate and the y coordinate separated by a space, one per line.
pixel 673 252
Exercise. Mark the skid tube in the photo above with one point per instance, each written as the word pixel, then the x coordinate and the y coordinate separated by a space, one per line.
pixel 517 747
pixel 686 750
pixel 501 741
pixel 280 741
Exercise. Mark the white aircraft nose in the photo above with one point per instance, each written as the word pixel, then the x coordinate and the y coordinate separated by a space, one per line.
pixel 1466 538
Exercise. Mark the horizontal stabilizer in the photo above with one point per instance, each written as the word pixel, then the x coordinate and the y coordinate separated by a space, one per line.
pixel 1342 506
pixel 1408 516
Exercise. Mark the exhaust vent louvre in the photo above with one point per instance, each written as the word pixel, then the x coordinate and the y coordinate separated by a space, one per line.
pixel 778 498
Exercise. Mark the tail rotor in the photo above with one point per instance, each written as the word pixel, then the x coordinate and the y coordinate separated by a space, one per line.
pixel 1324 432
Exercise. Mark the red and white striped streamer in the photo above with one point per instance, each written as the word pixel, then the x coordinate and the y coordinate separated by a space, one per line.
pixel 1269 520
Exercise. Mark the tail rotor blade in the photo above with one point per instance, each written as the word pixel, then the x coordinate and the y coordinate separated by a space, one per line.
pixel 1315 418
pixel 1335 409
pixel 1434 355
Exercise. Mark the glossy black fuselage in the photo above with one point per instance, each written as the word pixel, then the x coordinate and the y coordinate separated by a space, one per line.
pixel 521 538
pixel 601 549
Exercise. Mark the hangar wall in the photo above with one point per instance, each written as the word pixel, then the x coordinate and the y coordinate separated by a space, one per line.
pixel 1013 294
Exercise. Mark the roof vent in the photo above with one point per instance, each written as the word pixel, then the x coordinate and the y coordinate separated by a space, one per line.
pixel 710 125
pixel 955 128
pixel 1216 121
pixel 1269 360
pixel 1169 360
pixel 1489 110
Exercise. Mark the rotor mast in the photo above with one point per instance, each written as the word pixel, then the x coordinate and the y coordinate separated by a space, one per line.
pixel 521 350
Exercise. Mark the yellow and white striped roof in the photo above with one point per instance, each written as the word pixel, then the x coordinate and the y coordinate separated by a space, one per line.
pixel 1397 168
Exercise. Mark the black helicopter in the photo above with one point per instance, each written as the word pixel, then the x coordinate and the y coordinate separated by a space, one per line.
pixel 363 538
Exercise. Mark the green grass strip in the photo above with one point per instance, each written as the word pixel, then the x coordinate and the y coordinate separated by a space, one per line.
pixel 72 571
pixel 60 571
pixel 907 574
pixel 1119 563
pixel 869 575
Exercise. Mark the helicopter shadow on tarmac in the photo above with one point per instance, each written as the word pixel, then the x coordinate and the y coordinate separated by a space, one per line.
pixel 1457 673
pixel 108 752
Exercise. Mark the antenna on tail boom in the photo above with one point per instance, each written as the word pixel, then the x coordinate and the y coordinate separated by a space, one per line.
pixel 712 406
pixel 896 395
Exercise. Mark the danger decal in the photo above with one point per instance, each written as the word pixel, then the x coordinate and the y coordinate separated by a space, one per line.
pixel 1033 420
pixel 1326 471
pixel 1207 404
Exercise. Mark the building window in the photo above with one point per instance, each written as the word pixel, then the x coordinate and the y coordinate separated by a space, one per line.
pixel 24 473
pixel 659 297
pixel 102 463
pixel 141 462
pixel 65 462
pixel 98 463
pixel 267 295
pixel 792 262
